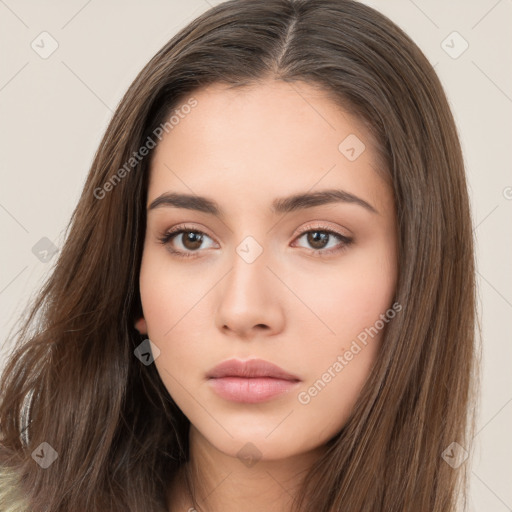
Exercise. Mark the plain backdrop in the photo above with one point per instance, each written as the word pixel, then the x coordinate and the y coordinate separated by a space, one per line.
pixel 66 65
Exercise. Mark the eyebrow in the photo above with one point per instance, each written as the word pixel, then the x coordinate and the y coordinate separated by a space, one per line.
pixel 280 205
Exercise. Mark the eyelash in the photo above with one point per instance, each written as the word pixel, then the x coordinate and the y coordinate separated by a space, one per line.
pixel 167 236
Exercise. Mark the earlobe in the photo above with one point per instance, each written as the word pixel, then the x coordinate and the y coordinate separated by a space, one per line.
pixel 141 326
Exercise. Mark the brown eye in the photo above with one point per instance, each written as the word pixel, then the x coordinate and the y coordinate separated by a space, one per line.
pixel 191 240
pixel 318 240
pixel 184 242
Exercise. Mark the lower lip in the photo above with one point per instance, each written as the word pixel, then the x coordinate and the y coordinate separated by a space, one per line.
pixel 251 391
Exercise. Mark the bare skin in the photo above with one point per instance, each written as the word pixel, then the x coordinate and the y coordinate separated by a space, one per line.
pixel 299 304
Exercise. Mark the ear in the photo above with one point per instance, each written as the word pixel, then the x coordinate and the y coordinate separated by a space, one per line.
pixel 141 326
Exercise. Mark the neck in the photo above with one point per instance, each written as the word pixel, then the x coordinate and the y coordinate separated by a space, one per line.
pixel 224 483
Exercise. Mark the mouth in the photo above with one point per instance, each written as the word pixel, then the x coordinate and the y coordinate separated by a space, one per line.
pixel 250 381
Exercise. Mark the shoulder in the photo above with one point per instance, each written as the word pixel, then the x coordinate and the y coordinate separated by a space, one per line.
pixel 11 498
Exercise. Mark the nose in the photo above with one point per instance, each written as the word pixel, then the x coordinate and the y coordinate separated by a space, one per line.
pixel 250 300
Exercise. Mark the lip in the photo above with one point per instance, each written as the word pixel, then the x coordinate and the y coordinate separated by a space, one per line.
pixel 251 368
pixel 250 381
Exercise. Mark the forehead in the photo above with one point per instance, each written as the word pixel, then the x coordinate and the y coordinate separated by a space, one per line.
pixel 264 141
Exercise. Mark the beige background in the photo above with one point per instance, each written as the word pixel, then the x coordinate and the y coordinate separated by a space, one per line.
pixel 54 111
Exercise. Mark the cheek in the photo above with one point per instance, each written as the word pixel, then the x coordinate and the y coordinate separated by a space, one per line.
pixel 175 308
pixel 341 300
pixel 326 402
pixel 169 296
pixel 339 365
pixel 354 304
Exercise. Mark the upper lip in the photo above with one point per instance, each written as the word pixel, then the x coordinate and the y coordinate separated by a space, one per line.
pixel 249 369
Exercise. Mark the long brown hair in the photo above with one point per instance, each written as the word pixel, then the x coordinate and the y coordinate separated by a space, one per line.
pixel 73 381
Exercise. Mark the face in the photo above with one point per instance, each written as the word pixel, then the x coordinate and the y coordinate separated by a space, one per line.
pixel 306 285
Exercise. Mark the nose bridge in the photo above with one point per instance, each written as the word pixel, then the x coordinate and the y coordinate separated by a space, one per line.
pixel 248 297
pixel 248 280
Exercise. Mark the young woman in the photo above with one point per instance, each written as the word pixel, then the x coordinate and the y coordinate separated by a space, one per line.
pixel 266 298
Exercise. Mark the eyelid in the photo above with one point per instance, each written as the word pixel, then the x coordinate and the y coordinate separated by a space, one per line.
pixel 321 225
pixel 186 227
pixel 311 225
pixel 167 234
